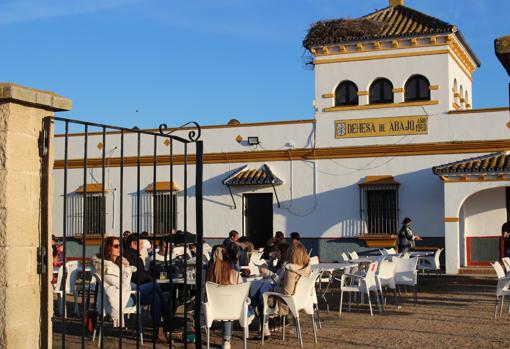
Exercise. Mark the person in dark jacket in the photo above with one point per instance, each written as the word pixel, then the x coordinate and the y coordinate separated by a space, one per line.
pixel 274 242
pixel 150 292
pixel 232 247
pixel 505 235
pixel 406 237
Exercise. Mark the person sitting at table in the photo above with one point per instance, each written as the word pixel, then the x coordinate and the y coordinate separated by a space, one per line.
pixel 406 237
pixel 297 264
pixel 295 237
pixel 110 251
pixel 275 241
pixel 245 250
pixel 147 288
pixel 222 271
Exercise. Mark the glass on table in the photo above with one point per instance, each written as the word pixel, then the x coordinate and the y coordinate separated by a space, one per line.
pixel 163 275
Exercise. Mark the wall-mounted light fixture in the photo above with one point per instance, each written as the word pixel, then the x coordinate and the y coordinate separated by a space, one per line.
pixel 253 140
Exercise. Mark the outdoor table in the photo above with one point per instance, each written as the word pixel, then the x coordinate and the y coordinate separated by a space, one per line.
pixel 362 260
pixel 331 266
pixel 420 254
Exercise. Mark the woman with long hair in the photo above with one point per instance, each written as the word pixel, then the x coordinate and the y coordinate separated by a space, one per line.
pixel 221 271
pixel 296 264
pixel 112 276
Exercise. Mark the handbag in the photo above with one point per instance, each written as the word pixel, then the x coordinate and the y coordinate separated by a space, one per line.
pixel 90 320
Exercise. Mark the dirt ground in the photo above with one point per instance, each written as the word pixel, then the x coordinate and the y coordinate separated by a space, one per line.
pixel 452 312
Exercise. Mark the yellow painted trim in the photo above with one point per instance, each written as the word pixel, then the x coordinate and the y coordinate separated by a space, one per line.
pixel 387 56
pixel 468 105
pixel 434 87
pixel 328 95
pixel 377 45
pixel 451 219
pixel 377 106
pixel 359 47
pixel 462 100
pixel 456 95
pixel 480 110
pixel 455 106
pixel 412 149
pixel 325 49
pixel 478 179
pixel 461 66
pixel 414 42
pixel 398 90
pixel 362 93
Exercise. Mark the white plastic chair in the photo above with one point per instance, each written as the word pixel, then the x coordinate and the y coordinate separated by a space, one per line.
pixel 502 288
pixel 363 284
pixel 431 263
pixel 127 311
pixel 345 257
pixel 406 274
pixel 386 278
pixel 506 264
pixel 353 255
pixel 59 292
pixel 302 299
pixel 226 303
pixel 72 271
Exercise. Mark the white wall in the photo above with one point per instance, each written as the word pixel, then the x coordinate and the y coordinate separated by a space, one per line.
pixel 485 212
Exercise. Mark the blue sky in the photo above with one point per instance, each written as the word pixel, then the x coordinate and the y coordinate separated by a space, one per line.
pixel 134 62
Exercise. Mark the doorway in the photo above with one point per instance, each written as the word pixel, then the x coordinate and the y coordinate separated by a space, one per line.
pixel 258 218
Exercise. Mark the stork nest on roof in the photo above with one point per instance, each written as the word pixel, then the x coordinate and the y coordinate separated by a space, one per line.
pixel 502 48
pixel 335 31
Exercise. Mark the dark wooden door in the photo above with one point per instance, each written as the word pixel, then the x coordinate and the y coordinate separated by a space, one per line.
pixel 258 218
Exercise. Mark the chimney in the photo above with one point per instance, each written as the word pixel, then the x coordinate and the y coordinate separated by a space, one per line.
pixel 394 3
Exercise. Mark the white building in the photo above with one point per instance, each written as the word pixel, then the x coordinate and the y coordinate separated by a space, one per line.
pixel 393 99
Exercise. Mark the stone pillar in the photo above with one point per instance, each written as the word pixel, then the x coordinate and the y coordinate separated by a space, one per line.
pixel 25 295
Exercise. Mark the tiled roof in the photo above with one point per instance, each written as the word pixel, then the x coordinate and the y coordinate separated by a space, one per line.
pixel 487 164
pixel 390 22
pixel 246 176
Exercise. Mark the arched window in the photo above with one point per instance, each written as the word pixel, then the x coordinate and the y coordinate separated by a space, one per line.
pixel 381 91
pixel 346 94
pixel 417 89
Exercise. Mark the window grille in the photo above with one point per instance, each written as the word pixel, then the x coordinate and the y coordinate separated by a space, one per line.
pixel 379 209
pixel 93 222
pixel 158 213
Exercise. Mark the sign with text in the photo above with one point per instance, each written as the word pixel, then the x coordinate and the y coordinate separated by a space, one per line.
pixel 381 127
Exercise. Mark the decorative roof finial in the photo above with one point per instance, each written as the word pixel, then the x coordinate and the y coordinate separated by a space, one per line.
pixel 394 3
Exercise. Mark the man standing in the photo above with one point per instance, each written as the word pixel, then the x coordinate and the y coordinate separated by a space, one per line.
pixel 505 235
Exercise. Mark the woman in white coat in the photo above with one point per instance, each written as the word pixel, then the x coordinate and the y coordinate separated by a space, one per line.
pixel 112 276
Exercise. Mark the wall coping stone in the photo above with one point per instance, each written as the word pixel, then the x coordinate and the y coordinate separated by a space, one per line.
pixel 26 95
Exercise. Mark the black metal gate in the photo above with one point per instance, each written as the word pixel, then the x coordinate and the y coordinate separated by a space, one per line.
pixel 91 233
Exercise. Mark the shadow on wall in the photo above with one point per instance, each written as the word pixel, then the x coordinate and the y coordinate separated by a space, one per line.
pixel 420 192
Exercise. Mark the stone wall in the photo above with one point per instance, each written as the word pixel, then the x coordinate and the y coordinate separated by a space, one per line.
pixel 25 303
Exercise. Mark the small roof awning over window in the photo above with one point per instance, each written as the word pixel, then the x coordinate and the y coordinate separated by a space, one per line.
pixel 378 180
pixel 163 186
pixel 490 165
pixel 92 188
pixel 245 176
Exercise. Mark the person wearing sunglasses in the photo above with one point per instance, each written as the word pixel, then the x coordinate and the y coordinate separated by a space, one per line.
pixel 112 276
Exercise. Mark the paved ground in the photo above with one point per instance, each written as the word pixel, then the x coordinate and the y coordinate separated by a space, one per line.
pixel 456 312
